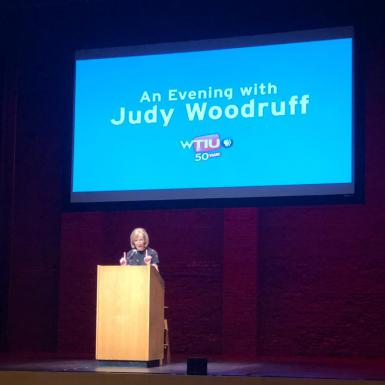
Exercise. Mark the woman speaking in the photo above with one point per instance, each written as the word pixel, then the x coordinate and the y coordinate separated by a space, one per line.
pixel 140 253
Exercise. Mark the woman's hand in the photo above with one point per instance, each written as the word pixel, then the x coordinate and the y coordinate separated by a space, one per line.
pixel 147 259
pixel 123 260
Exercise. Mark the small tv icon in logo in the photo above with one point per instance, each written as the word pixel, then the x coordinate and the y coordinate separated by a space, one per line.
pixel 227 142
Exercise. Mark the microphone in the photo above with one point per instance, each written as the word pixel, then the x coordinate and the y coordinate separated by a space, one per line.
pixel 131 254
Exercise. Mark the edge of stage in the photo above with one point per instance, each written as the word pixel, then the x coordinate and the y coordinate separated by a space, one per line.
pixel 265 372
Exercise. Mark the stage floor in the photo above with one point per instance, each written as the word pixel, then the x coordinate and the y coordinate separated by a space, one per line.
pixel 358 372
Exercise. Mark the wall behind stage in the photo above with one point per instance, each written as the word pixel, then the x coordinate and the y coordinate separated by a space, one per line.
pixel 190 246
pixel 294 281
pixel 208 261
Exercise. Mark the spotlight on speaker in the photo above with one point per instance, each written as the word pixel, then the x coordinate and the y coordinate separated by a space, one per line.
pixel 197 366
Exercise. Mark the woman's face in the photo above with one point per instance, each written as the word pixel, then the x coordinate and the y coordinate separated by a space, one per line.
pixel 139 242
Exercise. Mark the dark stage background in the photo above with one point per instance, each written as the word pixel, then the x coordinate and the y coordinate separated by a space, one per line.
pixel 303 281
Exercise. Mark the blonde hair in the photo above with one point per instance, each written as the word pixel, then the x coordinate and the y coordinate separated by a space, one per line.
pixel 135 233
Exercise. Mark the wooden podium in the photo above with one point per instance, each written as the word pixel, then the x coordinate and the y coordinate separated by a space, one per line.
pixel 130 314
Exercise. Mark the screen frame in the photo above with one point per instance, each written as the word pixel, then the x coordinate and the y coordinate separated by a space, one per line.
pixel 117 199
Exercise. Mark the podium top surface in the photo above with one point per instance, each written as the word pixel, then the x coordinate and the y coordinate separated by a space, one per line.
pixel 124 269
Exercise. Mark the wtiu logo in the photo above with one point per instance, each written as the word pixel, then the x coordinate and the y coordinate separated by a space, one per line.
pixel 206 146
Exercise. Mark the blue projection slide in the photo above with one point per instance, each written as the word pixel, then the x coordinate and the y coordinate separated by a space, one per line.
pixel 270 115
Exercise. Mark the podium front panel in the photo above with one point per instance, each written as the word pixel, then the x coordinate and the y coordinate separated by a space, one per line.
pixel 123 311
